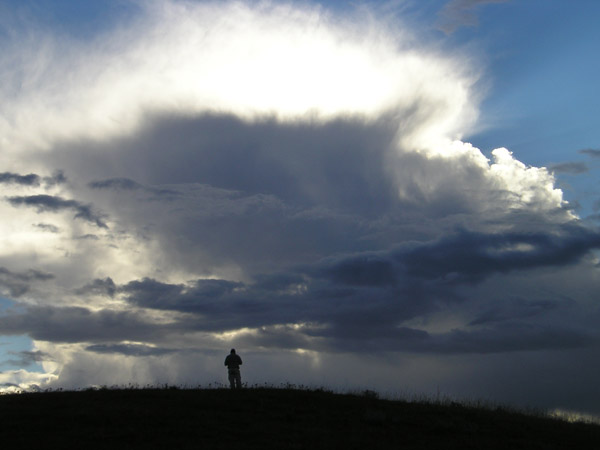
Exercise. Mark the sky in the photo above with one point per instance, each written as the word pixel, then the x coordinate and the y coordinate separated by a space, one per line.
pixel 391 195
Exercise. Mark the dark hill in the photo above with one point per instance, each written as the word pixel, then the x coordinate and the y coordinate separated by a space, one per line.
pixel 265 418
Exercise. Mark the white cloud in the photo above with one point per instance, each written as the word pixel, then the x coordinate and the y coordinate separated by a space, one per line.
pixel 253 61
pixel 15 381
pixel 533 187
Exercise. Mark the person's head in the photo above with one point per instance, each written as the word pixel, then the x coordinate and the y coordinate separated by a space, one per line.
pixel 232 351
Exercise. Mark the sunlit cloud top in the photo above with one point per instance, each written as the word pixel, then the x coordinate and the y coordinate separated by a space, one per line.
pixel 276 61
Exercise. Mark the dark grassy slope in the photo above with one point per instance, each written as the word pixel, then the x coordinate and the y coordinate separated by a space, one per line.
pixel 270 419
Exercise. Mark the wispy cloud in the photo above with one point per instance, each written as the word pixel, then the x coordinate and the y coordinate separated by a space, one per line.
pixel 26 358
pixel 18 283
pixel 26 180
pixel 574 168
pixel 130 349
pixel 279 80
pixel 51 203
pixel 593 152
pixel 32 179
pixel 47 227
pixel 127 184
pixel 461 13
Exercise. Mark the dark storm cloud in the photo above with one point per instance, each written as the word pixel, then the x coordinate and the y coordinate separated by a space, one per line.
pixel 99 286
pixel 25 180
pixel 116 183
pixel 221 305
pixel 508 338
pixel 593 152
pixel 27 358
pixel 217 300
pixel 357 302
pixel 470 257
pixel 126 184
pixel 492 340
pixel 273 194
pixel 32 179
pixel 570 167
pixel 130 349
pixel 351 302
pixel 513 337
pixel 76 324
pixel 57 177
pixel 18 283
pixel 369 269
pixel 51 203
pixel 150 293
pixel 357 320
pixel 333 319
pixel 514 308
pixel 337 165
pixel 260 195
pixel 283 337
pixel 465 257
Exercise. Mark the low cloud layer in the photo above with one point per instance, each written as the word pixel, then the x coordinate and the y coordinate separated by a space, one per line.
pixel 289 183
pixel 31 179
pixel 18 283
pixel 126 184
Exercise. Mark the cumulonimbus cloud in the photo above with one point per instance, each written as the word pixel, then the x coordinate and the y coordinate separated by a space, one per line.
pixel 256 62
pixel 277 178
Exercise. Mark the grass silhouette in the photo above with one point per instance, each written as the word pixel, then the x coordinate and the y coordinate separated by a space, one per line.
pixel 265 417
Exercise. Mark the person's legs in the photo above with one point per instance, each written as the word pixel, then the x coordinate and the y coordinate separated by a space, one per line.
pixel 238 380
pixel 232 379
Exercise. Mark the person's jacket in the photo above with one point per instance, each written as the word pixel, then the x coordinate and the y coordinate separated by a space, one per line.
pixel 233 361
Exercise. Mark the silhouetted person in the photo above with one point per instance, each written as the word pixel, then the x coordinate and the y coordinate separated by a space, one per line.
pixel 233 363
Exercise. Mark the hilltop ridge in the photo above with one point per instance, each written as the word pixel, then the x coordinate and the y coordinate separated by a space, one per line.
pixel 271 418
